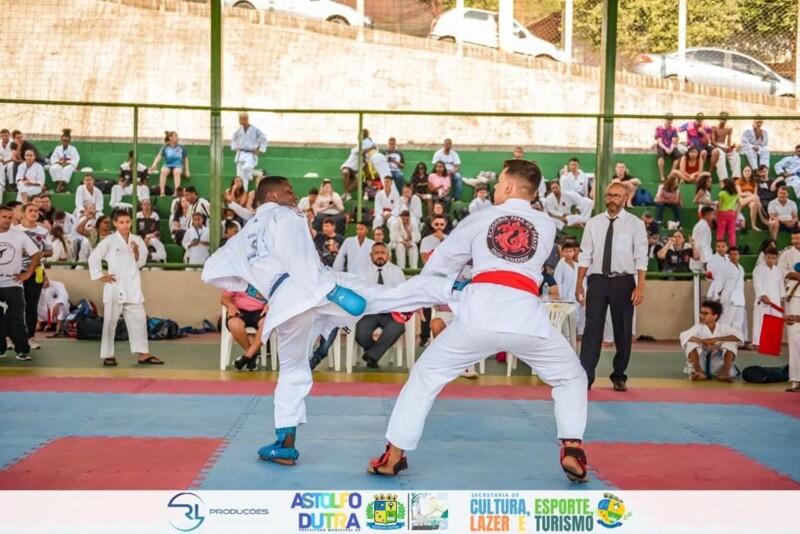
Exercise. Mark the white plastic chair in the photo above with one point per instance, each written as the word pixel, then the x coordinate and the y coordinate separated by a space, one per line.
pixel 226 345
pixel 481 364
pixel 335 361
pixel 564 318
pixel 353 351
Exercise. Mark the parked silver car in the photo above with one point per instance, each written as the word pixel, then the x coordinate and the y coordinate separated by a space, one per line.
pixel 315 9
pixel 479 27
pixel 723 68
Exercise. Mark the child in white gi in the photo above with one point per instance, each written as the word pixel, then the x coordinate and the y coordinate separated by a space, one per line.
pixel 196 240
pixel 53 304
pixel 125 254
pixel 566 275
pixel 767 286
pixel 63 161
pixel 710 345
pixel 499 311
pixel 733 300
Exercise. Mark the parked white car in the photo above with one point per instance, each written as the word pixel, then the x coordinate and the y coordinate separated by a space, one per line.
pixel 723 68
pixel 479 27
pixel 315 9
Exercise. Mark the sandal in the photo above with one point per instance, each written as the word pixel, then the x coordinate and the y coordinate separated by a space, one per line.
pixel 382 460
pixel 580 455
pixel 109 362
pixel 151 360
pixel 793 389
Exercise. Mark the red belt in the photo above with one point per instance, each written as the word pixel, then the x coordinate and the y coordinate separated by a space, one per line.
pixel 508 279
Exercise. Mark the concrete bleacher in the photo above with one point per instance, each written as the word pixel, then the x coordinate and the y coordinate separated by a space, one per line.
pixel 294 162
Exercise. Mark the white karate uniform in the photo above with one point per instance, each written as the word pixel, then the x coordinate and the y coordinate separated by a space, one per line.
pixel 354 158
pixel 198 254
pixel 62 252
pixel 701 235
pixel 576 184
pixel 567 280
pixel 63 173
pixel 50 297
pixel 244 143
pixel 413 206
pixel 381 165
pixel 386 203
pixel 733 307
pixel 357 255
pixel 477 204
pixel 766 282
pixel 123 296
pixel 117 192
pixel 83 195
pixel 491 318
pixel 732 158
pixel 718 267
pixel 717 358
pixel 35 180
pixel 558 207
pixel 6 164
pixel 406 256
pixel 786 263
pixel 749 141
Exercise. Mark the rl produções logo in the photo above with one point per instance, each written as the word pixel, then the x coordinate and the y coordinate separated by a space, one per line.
pixel 188 509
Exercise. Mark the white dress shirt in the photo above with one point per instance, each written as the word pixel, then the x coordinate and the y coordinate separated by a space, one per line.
pixel 629 253
pixel 356 254
pixel 392 274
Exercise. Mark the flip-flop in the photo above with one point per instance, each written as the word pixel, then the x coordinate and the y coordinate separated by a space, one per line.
pixel 580 456
pixel 382 460
pixel 151 360
pixel 110 362
pixel 793 390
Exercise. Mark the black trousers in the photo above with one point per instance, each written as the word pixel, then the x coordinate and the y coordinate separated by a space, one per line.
pixel 604 292
pixel 12 320
pixel 425 326
pixel 33 291
pixel 391 331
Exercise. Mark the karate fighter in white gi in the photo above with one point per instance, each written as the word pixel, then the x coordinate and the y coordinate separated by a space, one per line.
pixel 248 142
pixel 274 258
pixel 508 244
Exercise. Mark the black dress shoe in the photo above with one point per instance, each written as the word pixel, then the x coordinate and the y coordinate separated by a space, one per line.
pixel 619 385
pixel 371 363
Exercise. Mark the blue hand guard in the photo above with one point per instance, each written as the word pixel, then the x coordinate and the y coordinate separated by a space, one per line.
pixel 349 300
pixel 277 450
pixel 461 284
pixel 253 292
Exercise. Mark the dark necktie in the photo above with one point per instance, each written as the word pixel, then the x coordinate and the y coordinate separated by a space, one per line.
pixel 607 248
pixel 380 276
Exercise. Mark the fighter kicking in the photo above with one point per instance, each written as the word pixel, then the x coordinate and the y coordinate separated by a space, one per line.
pixel 273 258
pixel 499 311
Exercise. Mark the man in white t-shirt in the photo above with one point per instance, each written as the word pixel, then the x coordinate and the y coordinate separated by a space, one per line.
pixel 14 244
pixel 452 163
pixel 782 213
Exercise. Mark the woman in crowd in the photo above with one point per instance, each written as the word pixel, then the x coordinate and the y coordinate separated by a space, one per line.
pixel 728 211
pixel 669 194
pixel 147 220
pixel 702 196
pixel 439 182
pixel 179 219
pixel 63 248
pixel 175 160
pixel 674 256
pixel 329 204
pixel 747 187
pixel 238 199
pixel 419 184
pixel 691 166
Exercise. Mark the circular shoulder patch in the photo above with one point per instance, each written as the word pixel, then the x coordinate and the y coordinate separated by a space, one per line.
pixel 512 238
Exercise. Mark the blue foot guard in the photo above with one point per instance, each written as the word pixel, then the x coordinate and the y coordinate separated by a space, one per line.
pixel 349 300
pixel 276 452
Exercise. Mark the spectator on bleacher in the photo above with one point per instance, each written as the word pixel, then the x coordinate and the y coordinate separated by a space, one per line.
pixel 67 221
pixel 239 200
pixel 30 178
pixel 179 219
pixel 305 203
pixel 378 236
pixel 88 192
pixel 53 307
pixel 247 143
pixel 41 238
pixel 404 235
pixel 723 148
pixel 667 145
pixel 438 211
pixel 765 244
pixel 767 188
pixel 147 220
pixel 354 252
pixel 782 214
pixel 37 201
pixel 350 167
pixel 141 171
pixel 439 182
pixel 789 169
pixel 754 144
pixel 124 188
pixel 17 208
pixel 197 204
pixel 701 240
pixel 768 289
pixel 669 194
pixel 631 183
pixel 573 179
pixel 63 161
pixel 310 220
pixel 746 187
pixel 419 185
pixel 328 205
pixel 411 203
pixel 650 224
pixel 6 158
pixel 481 200
pixel 63 247
pixel 196 241
pixel 710 345
pixel 387 204
pixel 46 209
pixel 690 168
pixel 727 211
pixel 229 229
pixel 19 146
pixel 702 195
pixel 93 230
pixel 453 165
pixel 544 185
pixel 175 159
pixel 698 134
pixel 675 254
pixel 243 312
pixel 328 242
pixel 396 163
pixel 567 208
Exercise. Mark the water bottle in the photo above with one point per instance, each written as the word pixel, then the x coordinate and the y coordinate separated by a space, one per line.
pixel 40 274
pixel 545 293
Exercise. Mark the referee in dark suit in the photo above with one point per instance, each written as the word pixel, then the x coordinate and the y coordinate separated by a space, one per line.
pixel 614 256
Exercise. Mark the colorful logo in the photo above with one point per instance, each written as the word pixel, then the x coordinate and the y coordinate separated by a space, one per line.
pixel 327 512
pixel 611 511
pixel 386 513
pixel 428 511
pixel 512 238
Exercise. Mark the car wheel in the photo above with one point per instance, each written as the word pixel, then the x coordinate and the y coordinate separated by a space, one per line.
pixel 448 39
pixel 244 5
pixel 336 19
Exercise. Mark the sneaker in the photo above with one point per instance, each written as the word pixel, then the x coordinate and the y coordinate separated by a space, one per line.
pixel 423 342
pixel 24 357
pixel 470 373
pixel 33 344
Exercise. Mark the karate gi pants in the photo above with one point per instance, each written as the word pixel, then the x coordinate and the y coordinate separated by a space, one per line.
pixel 793 308
pixel 410 254
pixel 61 174
pixel 731 157
pixel 295 342
pixel 754 159
pixel 244 170
pixel 460 346
pixel 135 320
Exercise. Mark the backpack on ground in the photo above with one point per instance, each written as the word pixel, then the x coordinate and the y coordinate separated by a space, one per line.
pixel 89 328
pixel 158 329
pixel 756 374
pixel 643 197
pixel 85 309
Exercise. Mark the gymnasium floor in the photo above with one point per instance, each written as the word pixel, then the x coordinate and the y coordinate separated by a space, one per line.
pixel 68 423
